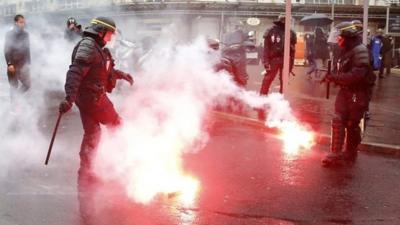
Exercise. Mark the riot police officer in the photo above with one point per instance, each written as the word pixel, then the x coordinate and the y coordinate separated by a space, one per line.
pixel 73 30
pixel 233 61
pixel 90 76
pixel 354 77
pixel 233 58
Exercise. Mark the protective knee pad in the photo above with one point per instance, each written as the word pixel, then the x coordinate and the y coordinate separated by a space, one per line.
pixel 353 137
pixel 117 122
pixel 337 134
pixel 90 142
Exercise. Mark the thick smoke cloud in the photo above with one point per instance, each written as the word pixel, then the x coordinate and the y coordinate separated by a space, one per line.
pixel 164 118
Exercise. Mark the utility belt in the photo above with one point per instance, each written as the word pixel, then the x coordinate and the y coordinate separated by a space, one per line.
pixel 92 93
pixel 354 89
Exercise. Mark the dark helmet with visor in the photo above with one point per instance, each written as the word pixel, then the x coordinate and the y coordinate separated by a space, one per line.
pixel 350 29
pixel 70 21
pixel 101 25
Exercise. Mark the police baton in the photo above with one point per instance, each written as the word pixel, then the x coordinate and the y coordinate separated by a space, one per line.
pixel 328 85
pixel 52 139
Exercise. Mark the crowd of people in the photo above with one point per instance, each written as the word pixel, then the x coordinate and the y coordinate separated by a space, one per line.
pixel 319 47
pixel 381 50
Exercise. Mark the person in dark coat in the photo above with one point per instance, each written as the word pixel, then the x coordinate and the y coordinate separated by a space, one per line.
pixel 354 77
pixel 234 56
pixel 321 47
pixel 233 61
pixel 375 48
pixel 18 56
pixel 386 53
pixel 274 39
pixel 310 54
pixel 90 76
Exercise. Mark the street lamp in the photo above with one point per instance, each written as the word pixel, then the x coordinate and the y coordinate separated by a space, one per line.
pixel 387 17
pixel 333 14
pixel 365 22
pixel 286 52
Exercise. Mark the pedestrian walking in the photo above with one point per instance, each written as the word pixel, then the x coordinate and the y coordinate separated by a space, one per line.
pixel 18 57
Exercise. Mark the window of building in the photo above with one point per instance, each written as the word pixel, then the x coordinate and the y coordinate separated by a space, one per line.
pixel 10 9
pixel 35 5
pixel 70 4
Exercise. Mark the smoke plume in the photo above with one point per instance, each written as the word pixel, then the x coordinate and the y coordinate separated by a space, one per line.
pixel 164 118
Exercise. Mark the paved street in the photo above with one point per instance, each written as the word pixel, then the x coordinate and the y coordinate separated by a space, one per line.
pixel 245 178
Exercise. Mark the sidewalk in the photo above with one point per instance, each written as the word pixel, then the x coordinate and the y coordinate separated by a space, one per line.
pixel 308 101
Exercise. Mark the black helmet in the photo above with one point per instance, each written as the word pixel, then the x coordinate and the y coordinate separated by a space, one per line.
pixel 101 25
pixel 70 21
pixel 213 43
pixel 358 25
pixel 349 29
pixel 379 32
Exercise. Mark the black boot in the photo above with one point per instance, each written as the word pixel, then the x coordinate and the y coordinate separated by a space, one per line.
pixel 335 157
pixel 353 139
pixel 261 114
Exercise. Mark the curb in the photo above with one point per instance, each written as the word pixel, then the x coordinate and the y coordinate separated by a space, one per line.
pixel 322 139
pixel 370 147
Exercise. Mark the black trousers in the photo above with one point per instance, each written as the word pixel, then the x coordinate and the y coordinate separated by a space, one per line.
pixel 92 115
pixel 20 81
pixel 386 64
pixel 350 107
pixel 269 78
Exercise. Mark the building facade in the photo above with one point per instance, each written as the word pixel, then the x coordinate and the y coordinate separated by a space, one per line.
pixel 11 7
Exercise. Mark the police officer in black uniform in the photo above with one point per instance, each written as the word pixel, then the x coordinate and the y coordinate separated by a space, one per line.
pixel 90 76
pixel 354 77
pixel 274 40
pixel 233 61
pixel 233 56
pixel 73 31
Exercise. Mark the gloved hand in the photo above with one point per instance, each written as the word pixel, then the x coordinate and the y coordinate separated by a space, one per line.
pixel 128 78
pixel 242 80
pixel 330 78
pixel 65 106
pixel 267 66
pixel 11 70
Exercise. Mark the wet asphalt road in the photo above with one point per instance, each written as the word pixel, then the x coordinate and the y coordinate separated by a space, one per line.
pixel 245 178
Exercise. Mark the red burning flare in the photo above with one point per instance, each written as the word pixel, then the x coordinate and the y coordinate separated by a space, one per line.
pixel 296 137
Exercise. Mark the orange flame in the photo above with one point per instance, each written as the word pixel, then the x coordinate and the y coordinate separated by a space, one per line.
pixel 172 184
pixel 295 137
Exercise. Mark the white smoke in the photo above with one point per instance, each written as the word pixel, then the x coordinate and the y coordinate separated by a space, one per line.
pixel 164 118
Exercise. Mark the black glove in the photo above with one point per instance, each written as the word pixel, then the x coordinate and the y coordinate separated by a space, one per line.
pixel 128 78
pixel 267 66
pixel 65 106
pixel 330 78
pixel 242 80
